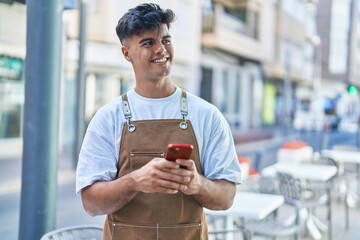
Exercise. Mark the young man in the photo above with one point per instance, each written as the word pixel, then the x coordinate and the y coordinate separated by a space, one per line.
pixel 122 171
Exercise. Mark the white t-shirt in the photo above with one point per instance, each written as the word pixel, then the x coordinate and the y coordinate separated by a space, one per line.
pixel 100 149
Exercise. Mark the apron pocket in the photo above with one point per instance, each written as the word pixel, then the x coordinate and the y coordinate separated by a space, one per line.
pixel 124 231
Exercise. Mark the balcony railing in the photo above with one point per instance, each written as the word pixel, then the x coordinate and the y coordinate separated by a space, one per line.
pixel 222 20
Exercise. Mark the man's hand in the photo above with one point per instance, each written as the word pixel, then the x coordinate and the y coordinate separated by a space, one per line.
pixel 162 176
pixel 157 176
pixel 190 171
pixel 212 194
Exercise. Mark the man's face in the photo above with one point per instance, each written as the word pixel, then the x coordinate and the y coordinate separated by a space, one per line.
pixel 150 53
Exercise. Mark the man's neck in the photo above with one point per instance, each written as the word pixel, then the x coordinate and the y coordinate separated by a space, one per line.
pixel 155 90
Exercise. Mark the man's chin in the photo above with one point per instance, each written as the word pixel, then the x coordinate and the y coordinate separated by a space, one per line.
pixel 166 72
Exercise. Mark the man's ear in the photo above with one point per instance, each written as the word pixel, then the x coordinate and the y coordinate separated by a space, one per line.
pixel 125 52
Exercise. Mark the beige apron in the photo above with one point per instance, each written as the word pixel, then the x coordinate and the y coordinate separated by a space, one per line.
pixel 153 216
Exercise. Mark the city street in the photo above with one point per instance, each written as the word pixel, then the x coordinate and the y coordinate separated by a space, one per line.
pixel 70 212
pixel 69 208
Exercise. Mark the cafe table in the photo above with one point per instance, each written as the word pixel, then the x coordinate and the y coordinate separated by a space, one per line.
pixel 307 172
pixel 345 156
pixel 248 206
pixel 342 157
pixel 302 171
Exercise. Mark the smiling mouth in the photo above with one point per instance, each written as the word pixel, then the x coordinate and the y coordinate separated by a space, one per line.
pixel 160 60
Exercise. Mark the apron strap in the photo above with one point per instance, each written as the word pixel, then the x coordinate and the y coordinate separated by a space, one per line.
pixel 126 107
pixel 128 116
pixel 184 110
pixel 127 112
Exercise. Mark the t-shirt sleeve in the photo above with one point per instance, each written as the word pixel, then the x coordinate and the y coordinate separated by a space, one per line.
pixel 220 158
pixel 98 155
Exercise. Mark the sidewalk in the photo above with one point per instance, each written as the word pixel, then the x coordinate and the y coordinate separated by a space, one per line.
pixel 69 210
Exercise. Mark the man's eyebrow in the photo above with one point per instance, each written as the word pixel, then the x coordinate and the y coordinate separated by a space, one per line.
pixel 145 39
pixel 151 39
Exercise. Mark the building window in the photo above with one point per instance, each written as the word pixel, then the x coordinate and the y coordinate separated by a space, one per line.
pixel 11 96
pixel 11 108
pixel 340 26
pixel 294 8
pixel 248 16
pixel 238 13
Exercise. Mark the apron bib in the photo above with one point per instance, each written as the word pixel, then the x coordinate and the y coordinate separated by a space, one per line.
pixel 153 216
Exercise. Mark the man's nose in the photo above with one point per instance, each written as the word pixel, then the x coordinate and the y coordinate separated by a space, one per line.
pixel 160 48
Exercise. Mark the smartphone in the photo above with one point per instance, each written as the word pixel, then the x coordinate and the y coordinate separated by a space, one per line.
pixel 176 151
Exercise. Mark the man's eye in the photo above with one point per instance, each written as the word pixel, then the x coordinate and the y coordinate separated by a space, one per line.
pixel 167 42
pixel 147 43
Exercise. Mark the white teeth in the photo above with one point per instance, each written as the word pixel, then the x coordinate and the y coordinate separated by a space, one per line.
pixel 162 60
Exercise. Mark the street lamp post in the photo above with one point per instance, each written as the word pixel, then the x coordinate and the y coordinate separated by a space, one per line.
pixel 316 42
pixel 316 84
pixel 40 127
pixel 81 83
pixel 287 92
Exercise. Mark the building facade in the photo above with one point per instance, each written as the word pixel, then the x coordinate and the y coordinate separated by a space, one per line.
pixel 263 54
pixel 258 61
pixel 293 71
pixel 338 25
pixel 237 39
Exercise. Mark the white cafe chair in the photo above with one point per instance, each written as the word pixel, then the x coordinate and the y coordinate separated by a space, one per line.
pixel 305 200
pixel 271 228
pixel 347 174
pixel 81 232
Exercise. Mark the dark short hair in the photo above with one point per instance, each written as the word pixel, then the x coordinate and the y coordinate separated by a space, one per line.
pixel 144 17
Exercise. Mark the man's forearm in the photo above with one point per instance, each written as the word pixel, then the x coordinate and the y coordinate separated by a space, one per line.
pixel 107 197
pixel 216 194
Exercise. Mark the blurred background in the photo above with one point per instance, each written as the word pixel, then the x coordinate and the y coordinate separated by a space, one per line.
pixel 276 69
pixel 292 64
